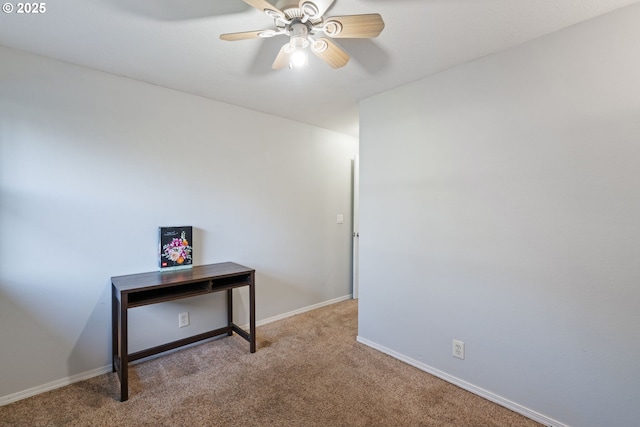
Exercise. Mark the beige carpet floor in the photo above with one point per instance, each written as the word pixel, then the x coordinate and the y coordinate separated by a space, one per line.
pixel 308 371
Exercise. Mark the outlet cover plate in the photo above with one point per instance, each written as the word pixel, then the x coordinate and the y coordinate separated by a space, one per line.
pixel 458 349
pixel 183 319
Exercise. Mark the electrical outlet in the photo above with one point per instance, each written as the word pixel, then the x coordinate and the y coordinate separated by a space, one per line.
pixel 183 319
pixel 458 349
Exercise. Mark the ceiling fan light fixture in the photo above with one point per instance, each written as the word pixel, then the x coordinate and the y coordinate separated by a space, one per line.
pixel 302 21
pixel 298 58
pixel 296 48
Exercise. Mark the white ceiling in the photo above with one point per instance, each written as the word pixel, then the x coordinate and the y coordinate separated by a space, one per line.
pixel 175 44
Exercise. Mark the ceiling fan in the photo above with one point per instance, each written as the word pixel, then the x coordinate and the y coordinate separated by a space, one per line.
pixel 302 22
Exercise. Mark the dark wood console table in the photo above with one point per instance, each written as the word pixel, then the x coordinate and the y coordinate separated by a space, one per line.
pixel 136 290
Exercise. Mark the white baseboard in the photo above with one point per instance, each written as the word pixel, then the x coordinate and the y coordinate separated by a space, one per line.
pixel 5 400
pixel 515 407
pixel 299 311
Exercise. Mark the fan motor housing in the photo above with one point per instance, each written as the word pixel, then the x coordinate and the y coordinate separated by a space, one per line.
pixel 299 34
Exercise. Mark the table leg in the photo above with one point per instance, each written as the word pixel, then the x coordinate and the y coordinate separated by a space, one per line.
pixel 230 310
pixel 252 314
pixel 124 350
pixel 114 328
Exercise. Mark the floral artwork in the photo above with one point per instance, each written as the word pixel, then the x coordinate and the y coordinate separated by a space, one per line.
pixel 176 249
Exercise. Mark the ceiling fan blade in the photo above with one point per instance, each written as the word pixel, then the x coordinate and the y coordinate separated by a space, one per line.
pixel 246 35
pixel 282 60
pixel 267 8
pixel 330 53
pixel 354 26
pixel 314 9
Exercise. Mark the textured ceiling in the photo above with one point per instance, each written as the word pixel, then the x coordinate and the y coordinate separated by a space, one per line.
pixel 175 44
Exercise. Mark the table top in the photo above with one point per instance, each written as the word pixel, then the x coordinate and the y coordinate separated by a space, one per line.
pixel 189 275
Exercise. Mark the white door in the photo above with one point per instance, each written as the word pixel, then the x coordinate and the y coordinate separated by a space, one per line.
pixel 356 228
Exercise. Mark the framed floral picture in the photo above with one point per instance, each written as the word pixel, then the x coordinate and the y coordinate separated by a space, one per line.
pixel 175 247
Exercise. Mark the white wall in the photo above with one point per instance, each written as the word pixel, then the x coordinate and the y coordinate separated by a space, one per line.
pixel 500 205
pixel 91 164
